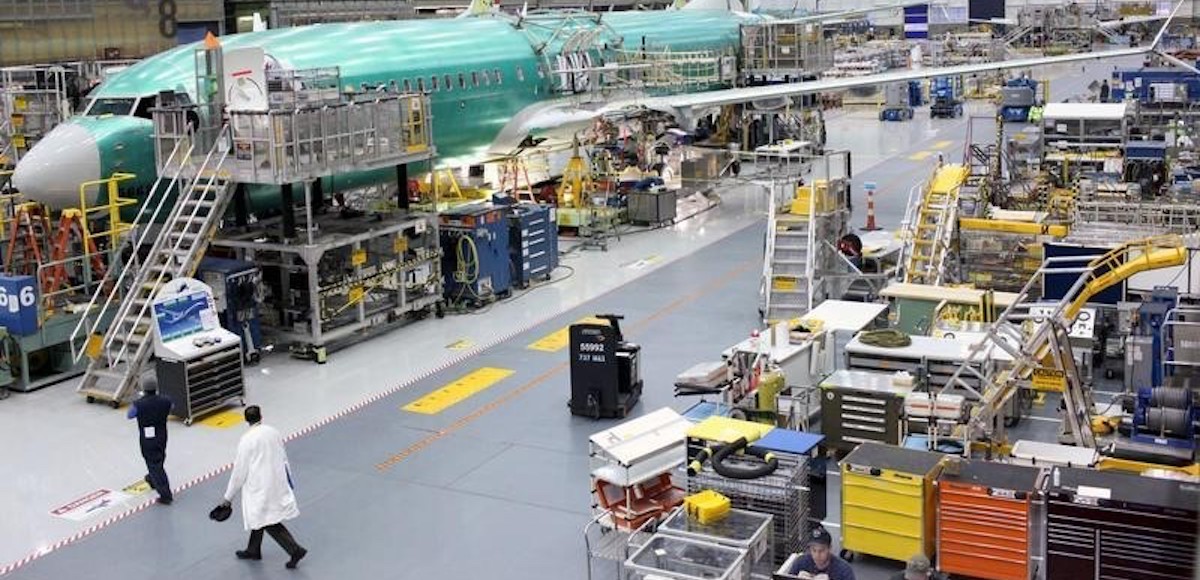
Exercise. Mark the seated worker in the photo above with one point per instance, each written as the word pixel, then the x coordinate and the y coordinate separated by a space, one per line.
pixel 918 568
pixel 820 559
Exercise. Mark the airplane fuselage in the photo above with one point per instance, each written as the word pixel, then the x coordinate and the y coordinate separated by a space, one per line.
pixel 480 74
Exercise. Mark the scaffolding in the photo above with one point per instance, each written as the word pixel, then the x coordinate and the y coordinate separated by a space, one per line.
pixel 34 100
pixel 784 49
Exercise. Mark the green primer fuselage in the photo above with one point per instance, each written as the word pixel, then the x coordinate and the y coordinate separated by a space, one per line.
pixel 465 120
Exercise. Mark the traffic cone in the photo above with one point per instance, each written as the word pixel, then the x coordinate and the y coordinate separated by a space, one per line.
pixel 871 227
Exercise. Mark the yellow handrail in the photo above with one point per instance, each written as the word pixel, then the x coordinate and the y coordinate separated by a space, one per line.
pixel 1121 263
pixel 115 202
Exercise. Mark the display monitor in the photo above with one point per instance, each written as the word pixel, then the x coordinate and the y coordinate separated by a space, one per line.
pixel 181 315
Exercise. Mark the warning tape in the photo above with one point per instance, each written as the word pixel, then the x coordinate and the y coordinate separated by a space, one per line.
pixel 463 356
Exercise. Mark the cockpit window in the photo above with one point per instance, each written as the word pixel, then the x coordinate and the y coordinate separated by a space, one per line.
pixel 144 105
pixel 119 107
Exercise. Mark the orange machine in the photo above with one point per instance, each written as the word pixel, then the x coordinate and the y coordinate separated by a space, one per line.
pixel 984 521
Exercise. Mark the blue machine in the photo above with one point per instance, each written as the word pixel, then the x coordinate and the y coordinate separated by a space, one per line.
pixel 1017 98
pixel 532 242
pixel 475 260
pixel 237 294
pixel 944 94
pixel 1166 416
pixel 1155 86
pixel 897 102
pixel 1162 415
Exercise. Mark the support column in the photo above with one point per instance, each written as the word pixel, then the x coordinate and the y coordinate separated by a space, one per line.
pixel 317 201
pixel 287 205
pixel 402 191
pixel 241 209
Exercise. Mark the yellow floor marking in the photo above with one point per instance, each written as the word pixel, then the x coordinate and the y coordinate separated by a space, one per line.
pixel 458 390
pixel 224 419
pixel 942 144
pixel 461 344
pixel 559 339
pixel 513 394
pixel 137 488
pixel 920 156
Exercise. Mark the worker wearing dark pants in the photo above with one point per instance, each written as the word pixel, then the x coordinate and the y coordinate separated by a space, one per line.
pixel 1104 92
pixel 151 412
pixel 280 534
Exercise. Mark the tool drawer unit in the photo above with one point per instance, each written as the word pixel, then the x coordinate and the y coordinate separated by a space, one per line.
pixel 533 242
pixel 985 520
pixel 1109 525
pixel 859 406
pixel 887 501
pixel 199 386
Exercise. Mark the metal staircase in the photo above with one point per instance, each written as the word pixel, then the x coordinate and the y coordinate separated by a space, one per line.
pixel 932 230
pixel 787 270
pixel 1040 345
pixel 119 351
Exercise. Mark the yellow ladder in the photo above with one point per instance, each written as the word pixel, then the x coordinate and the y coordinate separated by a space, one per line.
pixel 933 229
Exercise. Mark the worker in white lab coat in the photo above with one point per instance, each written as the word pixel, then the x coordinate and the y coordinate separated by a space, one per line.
pixel 261 473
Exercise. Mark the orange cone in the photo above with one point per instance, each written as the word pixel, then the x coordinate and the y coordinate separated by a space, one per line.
pixel 871 226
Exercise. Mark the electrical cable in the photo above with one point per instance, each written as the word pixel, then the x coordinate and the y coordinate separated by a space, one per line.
pixel 769 462
pixel 886 338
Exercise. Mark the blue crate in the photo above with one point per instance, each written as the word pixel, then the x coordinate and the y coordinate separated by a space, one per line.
pixel 19 305
pixel 533 242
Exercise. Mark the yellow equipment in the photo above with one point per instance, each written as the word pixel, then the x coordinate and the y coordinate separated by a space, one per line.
pixel 707 506
pixel 888 501
pixel 577 184
pixel 932 231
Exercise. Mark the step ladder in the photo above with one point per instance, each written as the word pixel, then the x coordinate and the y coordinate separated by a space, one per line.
pixel 931 234
pixel 787 265
pixel 71 231
pixel 119 352
pixel 1040 345
pixel 27 236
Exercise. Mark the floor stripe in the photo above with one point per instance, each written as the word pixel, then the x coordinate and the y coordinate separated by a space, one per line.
pixel 942 144
pixel 458 390
pixel 920 156
pixel 407 452
pixel 558 340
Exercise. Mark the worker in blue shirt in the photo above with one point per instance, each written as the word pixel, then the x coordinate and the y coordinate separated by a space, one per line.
pixel 820 559
pixel 151 412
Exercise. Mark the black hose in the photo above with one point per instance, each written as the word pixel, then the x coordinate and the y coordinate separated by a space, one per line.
pixel 769 465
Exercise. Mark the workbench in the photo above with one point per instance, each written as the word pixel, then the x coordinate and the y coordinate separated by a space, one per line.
pixel 985 519
pixel 888 501
pixel 941 357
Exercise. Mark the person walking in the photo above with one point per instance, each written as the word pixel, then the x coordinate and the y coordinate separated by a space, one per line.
pixel 151 412
pixel 261 474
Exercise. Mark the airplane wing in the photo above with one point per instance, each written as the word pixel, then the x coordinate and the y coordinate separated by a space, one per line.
pixel 844 14
pixel 1129 20
pixel 718 98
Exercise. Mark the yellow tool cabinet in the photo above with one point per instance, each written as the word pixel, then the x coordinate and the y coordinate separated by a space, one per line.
pixel 888 501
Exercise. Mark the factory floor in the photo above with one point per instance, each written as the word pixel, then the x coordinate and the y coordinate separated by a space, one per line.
pixel 497 479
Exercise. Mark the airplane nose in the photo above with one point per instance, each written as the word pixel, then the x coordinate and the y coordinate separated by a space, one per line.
pixel 52 170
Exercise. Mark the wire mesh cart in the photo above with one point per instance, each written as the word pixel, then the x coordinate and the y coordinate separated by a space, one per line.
pixel 667 557
pixel 746 530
